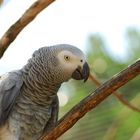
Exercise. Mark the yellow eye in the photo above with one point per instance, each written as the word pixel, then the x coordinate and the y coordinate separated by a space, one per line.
pixel 67 58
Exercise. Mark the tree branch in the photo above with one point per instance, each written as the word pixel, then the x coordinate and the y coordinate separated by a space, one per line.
pixel 91 101
pixel 118 95
pixel 119 119
pixel 19 25
pixel 121 98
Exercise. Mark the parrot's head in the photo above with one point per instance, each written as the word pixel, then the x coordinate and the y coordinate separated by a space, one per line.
pixel 72 63
pixel 63 62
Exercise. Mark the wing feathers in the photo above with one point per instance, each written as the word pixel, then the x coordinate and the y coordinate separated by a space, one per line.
pixel 10 86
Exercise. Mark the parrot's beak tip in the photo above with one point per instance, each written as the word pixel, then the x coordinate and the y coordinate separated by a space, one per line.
pixel 86 72
pixel 81 74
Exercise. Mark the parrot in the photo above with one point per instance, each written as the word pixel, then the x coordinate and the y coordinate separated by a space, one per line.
pixel 29 104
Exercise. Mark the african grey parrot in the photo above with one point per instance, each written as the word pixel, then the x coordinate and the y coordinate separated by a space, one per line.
pixel 28 97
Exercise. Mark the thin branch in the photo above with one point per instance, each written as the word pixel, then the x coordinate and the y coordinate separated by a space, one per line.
pixel 91 101
pixel 118 95
pixel 19 25
pixel 125 102
pixel 119 119
pixel 1 1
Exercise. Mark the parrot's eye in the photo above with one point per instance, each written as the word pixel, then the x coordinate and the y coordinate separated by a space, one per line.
pixel 66 57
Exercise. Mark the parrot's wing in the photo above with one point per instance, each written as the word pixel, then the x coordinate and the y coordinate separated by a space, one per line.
pixel 54 115
pixel 10 85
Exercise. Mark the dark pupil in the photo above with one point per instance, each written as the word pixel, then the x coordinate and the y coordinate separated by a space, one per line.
pixel 81 60
pixel 67 57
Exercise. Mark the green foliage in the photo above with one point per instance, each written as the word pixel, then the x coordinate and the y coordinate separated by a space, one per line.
pixel 110 120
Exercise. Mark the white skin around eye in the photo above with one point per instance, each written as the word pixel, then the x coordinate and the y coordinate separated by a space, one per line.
pixel 70 61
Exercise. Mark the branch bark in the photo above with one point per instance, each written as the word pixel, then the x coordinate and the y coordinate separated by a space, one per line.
pixel 91 101
pixel 19 25
pixel 118 95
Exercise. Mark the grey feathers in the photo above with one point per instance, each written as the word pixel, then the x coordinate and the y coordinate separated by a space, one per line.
pixel 10 86
pixel 28 97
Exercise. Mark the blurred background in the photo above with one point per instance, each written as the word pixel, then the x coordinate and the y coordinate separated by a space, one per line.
pixel 109 34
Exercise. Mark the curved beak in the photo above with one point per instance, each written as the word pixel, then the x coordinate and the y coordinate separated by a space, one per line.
pixel 81 73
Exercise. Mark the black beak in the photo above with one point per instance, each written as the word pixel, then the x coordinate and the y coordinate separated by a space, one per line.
pixel 81 73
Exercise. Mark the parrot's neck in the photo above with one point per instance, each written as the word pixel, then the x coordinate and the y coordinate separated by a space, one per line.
pixel 38 86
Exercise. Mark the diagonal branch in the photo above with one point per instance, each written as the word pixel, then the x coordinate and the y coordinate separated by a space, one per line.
pixel 118 95
pixel 92 100
pixel 19 25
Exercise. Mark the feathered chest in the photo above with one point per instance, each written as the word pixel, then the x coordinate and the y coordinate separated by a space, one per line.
pixel 29 119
